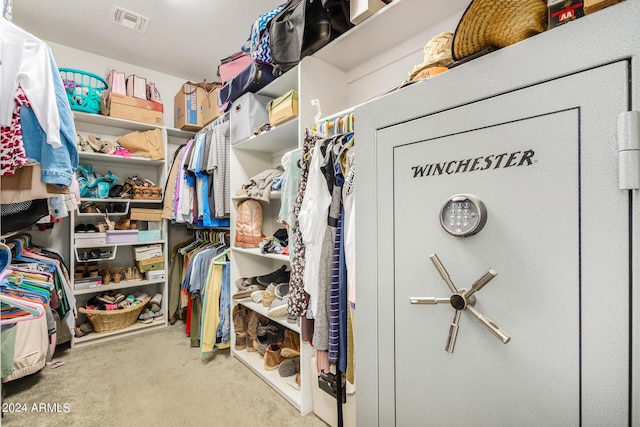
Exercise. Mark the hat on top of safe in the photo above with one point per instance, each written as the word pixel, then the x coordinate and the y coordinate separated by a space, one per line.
pixel 437 53
pixel 497 23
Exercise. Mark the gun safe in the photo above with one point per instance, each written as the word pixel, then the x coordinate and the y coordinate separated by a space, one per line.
pixel 500 202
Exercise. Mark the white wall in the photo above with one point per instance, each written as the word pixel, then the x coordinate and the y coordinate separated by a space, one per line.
pixel 167 85
pixel 388 70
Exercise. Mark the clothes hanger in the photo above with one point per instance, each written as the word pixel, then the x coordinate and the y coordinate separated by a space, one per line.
pixel 33 310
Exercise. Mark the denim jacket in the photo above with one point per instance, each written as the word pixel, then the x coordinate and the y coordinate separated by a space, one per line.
pixel 58 164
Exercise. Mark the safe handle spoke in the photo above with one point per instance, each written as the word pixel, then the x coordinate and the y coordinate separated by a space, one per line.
pixel 492 327
pixel 453 332
pixel 443 272
pixel 479 284
pixel 428 300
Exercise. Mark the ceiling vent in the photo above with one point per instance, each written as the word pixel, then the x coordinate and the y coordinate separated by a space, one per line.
pixel 128 19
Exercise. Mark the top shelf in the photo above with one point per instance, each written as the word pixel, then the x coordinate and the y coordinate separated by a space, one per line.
pixel 99 119
pixel 282 84
pixel 388 27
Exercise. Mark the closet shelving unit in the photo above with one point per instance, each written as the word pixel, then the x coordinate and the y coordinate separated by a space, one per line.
pixel 110 128
pixel 326 76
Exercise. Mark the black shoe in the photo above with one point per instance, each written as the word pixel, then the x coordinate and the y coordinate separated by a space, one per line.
pixel 281 275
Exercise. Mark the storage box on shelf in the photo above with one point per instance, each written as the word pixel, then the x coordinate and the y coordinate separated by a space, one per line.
pixel 120 244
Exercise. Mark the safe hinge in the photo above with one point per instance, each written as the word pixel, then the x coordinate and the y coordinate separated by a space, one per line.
pixel 629 150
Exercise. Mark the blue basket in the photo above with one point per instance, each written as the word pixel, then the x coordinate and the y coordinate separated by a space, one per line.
pixel 83 89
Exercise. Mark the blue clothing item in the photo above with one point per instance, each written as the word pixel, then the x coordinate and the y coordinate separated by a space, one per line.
pixel 224 327
pixel 277 183
pixel 57 207
pixel 58 164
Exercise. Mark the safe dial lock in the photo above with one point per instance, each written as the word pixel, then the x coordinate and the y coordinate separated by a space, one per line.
pixel 463 215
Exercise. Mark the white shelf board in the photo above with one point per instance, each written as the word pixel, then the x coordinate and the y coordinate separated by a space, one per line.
pixel 114 286
pixel 257 252
pixel 99 119
pixel 255 362
pixel 279 138
pixel 119 160
pixel 101 215
pixel 97 200
pixel 261 309
pixel 282 84
pixel 276 195
pixel 136 328
pixel 111 245
pixel 180 133
pixel 388 27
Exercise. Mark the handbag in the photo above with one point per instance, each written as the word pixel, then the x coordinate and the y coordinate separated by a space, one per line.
pixel 232 65
pixel 258 45
pixel 116 83
pixel 300 29
pixel 152 92
pixel 253 78
pixel 137 87
pixel 92 184
pixel 148 143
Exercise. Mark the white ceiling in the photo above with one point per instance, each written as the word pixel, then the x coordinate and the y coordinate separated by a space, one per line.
pixel 184 38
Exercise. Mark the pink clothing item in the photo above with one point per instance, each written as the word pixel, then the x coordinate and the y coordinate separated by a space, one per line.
pixel 12 154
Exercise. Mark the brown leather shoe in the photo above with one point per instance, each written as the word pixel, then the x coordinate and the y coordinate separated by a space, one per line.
pixel 291 345
pixel 273 357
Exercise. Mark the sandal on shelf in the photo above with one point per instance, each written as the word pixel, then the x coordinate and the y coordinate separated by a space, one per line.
pixel 92 269
pixel 136 274
pixel 123 224
pixel 79 272
pixel 105 147
pixel 83 145
pixel 116 274
pixel 88 207
pixel 128 274
pixel 105 298
pixel 81 228
pixel 106 275
pixel 118 298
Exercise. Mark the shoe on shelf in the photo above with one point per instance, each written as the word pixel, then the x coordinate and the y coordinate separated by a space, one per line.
pixel 256 296
pixel 278 308
pixel 240 326
pixel 106 275
pixel 128 274
pixel 269 295
pixel 154 304
pixel 246 293
pixel 289 367
pixel 291 345
pixel 272 357
pixel 282 289
pixel 278 276
pixel 146 316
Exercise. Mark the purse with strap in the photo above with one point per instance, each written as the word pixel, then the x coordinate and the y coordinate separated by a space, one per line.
pixel 148 143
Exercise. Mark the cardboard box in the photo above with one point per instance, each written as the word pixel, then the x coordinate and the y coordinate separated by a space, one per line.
pixel 142 214
pixel 283 108
pixel 591 6
pixel 147 252
pixel 130 108
pixel 563 11
pixel 195 107
pixel 155 263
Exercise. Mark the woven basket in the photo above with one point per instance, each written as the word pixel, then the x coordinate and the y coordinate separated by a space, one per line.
pixel 113 320
pixel 497 23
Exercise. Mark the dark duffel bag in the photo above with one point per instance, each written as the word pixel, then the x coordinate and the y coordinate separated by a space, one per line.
pixel 253 78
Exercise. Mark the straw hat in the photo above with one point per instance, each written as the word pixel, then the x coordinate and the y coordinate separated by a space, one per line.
pixel 497 23
pixel 437 53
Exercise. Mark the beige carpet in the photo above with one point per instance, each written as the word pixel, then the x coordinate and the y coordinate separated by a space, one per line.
pixel 152 379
